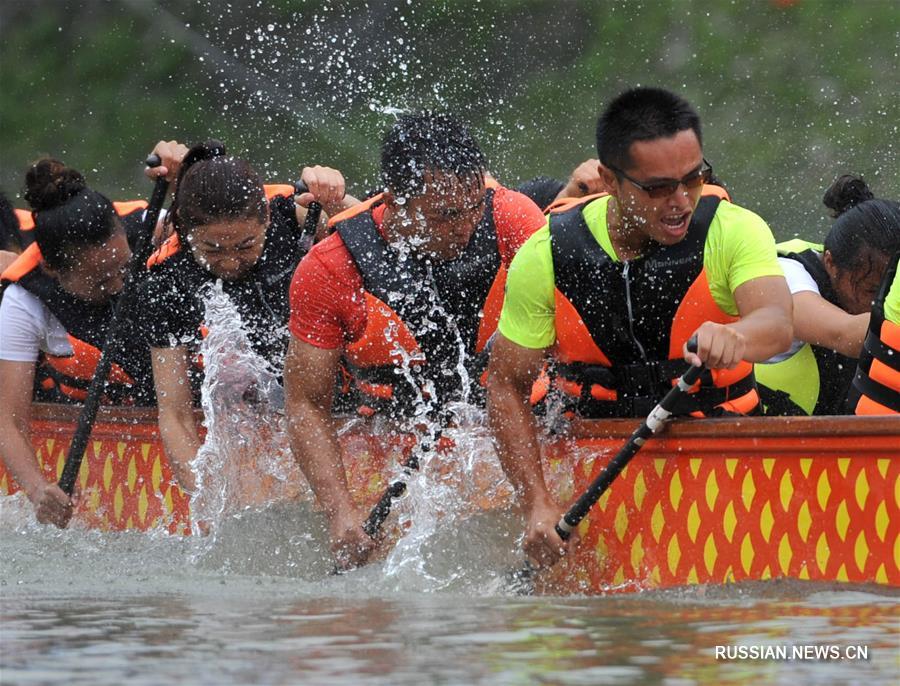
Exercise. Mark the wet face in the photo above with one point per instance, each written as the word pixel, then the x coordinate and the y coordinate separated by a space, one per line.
pixel 98 271
pixel 664 219
pixel 228 249
pixel 856 289
pixel 440 222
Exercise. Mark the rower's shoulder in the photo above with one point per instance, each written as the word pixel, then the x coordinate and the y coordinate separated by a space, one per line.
pixel 729 213
pixel 330 258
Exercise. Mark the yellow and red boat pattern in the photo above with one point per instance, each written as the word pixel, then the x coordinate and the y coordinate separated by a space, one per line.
pixel 711 501
pixel 752 499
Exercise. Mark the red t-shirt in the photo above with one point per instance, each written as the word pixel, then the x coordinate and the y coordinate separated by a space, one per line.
pixel 328 309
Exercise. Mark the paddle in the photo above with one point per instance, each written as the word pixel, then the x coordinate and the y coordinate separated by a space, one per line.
pixel 521 581
pixel 380 511
pixel 313 212
pixel 136 266
pixel 382 508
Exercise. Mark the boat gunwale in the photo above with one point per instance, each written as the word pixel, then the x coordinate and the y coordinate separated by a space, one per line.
pixel 718 428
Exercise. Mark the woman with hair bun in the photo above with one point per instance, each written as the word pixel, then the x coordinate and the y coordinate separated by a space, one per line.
pixel 833 287
pixel 228 227
pixel 58 302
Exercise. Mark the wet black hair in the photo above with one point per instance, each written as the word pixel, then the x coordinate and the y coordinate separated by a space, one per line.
pixel 865 226
pixel 426 142
pixel 67 214
pixel 642 114
pixel 212 186
pixel 10 236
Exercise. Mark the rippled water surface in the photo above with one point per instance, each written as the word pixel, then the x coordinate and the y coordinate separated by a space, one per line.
pixel 253 600
pixel 260 607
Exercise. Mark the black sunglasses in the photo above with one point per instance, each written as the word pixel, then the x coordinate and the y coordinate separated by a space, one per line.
pixel 661 189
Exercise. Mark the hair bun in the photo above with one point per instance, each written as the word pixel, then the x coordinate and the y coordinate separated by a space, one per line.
pixel 847 191
pixel 49 183
pixel 203 151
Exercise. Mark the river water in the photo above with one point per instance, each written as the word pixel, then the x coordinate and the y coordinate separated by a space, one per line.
pixel 252 599
pixel 260 606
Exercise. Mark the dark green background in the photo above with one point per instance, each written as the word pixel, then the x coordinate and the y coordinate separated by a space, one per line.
pixel 791 93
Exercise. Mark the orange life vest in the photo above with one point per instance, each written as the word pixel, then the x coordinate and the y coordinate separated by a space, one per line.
pixel 876 386
pixel 428 325
pixel 122 208
pixel 621 326
pixel 66 378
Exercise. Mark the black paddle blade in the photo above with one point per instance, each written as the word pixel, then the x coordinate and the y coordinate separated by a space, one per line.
pixel 521 581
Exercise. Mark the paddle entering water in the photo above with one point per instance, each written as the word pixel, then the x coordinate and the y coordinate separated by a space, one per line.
pixel 521 581
pixel 136 267
pixel 382 508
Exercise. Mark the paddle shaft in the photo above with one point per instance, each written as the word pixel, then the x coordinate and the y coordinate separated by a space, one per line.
pixel 382 508
pixel 655 421
pixel 135 267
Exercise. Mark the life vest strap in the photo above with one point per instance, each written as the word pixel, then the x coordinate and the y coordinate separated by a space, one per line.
pixel 882 352
pixel 866 386
pixel 779 403
pixel 705 400
pixel 646 378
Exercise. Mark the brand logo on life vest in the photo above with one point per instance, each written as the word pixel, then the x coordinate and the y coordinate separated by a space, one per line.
pixel 671 262
pixel 275 278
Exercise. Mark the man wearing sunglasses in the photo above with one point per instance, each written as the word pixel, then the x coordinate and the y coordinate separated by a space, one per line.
pixel 616 284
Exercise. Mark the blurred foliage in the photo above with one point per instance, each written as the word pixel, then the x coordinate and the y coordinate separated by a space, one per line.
pixel 791 92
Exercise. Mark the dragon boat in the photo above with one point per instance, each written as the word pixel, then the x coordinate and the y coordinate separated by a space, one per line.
pixel 709 501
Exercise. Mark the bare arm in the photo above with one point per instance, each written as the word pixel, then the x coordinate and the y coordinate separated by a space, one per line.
pixel 51 504
pixel 584 180
pixel 764 329
pixel 309 374
pixel 176 411
pixel 512 370
pixel 819 322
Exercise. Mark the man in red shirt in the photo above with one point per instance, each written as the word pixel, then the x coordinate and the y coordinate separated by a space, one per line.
pixel 406 294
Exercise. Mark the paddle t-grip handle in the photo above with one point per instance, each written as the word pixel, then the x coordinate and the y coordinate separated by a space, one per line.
pixel 692 344
pixel 313 213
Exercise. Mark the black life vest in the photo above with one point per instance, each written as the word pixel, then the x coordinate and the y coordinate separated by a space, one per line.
pixel 173 287
pixel 835 370
pixel 637 315
pixel 434 311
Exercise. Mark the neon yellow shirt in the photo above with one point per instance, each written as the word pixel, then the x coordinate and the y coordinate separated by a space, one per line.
pixel 891 302
pixel 739 247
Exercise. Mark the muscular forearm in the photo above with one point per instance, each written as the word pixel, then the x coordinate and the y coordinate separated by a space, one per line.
pixel 181 441
pixel 316 449
pixel 767 331
pixel 514 430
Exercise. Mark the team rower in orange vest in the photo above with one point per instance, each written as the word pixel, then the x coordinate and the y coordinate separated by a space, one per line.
pixel 406 292
pixel 876 386
pixel 58 302
pixel 615 287
pixel 228 227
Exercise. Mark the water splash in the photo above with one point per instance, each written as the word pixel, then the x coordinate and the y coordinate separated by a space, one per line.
pixel 245 460
pixel 450 484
